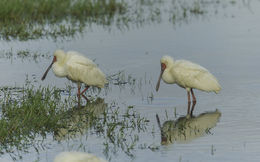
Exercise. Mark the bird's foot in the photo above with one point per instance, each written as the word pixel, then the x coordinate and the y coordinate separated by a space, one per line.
pixel 84 97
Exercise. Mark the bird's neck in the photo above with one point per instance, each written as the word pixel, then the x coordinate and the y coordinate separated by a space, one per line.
pixel 59 69
pixel 168 75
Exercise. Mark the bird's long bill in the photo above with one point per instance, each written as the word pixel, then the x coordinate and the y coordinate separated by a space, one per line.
pixel 159 80
pixel 46 72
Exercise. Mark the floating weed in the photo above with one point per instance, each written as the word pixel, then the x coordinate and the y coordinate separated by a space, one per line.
pixel 130 107
pixel 166 114
pixel 181 11
pixel 175 112
pixel 121 130
pixel 123 81
pixel 196 9
pixel 118 78
pixel 213 150
pixel 26 54
pixel 151 147
pixel 150 98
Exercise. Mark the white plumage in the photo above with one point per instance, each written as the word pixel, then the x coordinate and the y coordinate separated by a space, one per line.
pixel 77 157
pixel 77 68
pixel 187 75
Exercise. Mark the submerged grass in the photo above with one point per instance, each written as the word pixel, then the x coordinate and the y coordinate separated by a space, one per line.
pixel 23 55
pixel 31 114
pixel 35 112
pixel 121 130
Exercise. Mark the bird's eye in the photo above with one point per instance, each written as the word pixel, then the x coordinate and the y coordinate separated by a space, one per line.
pixel 163 66
pixel 54 59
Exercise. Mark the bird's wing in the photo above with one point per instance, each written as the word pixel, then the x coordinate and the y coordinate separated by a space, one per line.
pixel 77 58
pixel 82 69
pixel 186 70
pixel 190 66
pixel 192 75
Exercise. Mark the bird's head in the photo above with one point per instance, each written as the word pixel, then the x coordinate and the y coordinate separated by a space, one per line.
pixel 58 55
pixel 166 62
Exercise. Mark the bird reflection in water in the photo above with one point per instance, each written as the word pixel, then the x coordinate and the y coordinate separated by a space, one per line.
pixel 77 121
pixel 189 127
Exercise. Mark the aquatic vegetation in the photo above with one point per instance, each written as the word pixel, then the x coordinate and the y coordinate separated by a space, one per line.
pixel 119 130
pixel 26 54
pixel 142 86
pixel 122 130
pixel 31 19
pixel 30 114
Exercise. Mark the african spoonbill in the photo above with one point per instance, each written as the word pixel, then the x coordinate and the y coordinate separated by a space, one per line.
pixel 187 75
pixel 77 68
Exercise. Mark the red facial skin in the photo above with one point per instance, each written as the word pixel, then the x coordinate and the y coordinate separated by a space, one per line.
pixel 163 66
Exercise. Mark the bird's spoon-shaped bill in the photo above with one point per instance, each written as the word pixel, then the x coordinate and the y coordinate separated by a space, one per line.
pixel 46 72
pixel 159 80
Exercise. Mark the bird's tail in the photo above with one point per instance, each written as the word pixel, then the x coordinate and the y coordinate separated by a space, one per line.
pixel 217 90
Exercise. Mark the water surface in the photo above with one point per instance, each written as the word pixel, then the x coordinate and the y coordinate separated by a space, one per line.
pixel 225 40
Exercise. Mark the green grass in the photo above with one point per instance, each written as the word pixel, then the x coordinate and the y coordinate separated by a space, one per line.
pixel 30 114
pixel 30 19
pixel 25 116
pixel 33 19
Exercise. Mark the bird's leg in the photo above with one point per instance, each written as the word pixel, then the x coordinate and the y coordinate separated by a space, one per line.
pixel 193 101
pixel 188 110
pixel 188 94
pixel 78 94
pixel 192 108
pixel 85 97
pixel 85 90
pixel 193 97
pixel 82 93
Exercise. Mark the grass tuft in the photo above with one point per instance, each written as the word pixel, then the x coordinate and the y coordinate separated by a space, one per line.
pixel 36 111
pixel 30 19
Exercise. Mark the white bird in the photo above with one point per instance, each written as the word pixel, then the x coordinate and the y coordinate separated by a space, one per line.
pixel 77 68
pixel 187 75
pixel 77 157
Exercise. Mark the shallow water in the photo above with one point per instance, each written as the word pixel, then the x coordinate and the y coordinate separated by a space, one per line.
pixel 225 42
